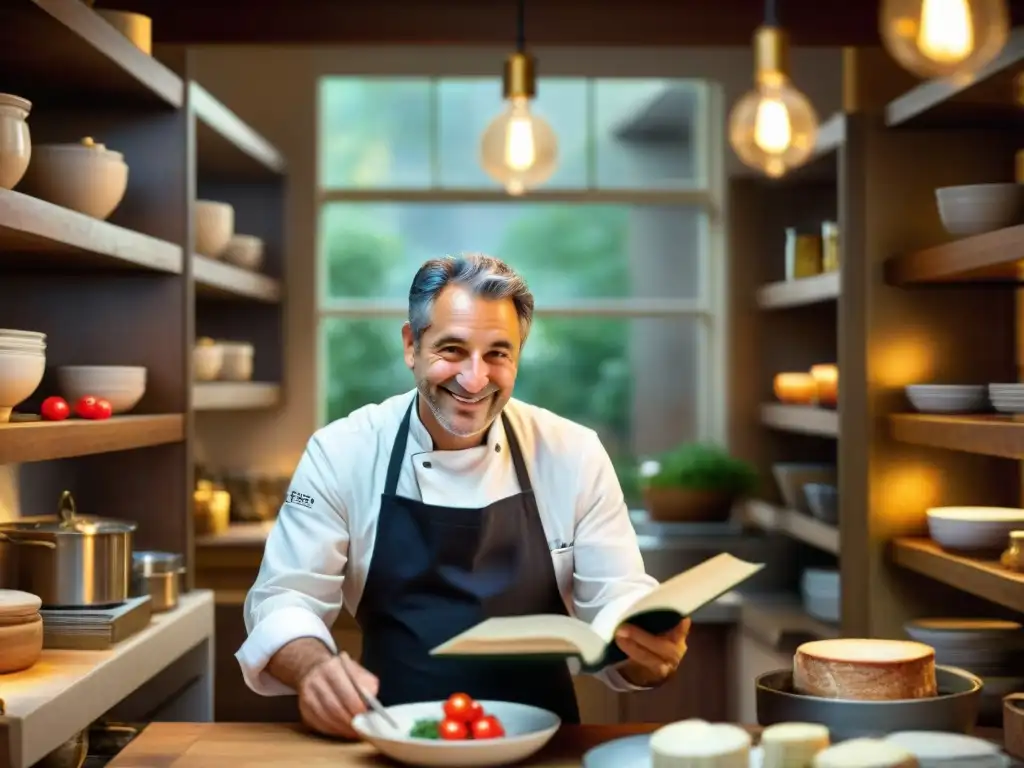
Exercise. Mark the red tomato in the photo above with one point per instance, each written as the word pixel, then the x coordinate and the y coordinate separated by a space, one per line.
pixel 460 707
pixel 103 409
pixel 452 730
pixel 55 409
pixel 488 727
pixel 86 407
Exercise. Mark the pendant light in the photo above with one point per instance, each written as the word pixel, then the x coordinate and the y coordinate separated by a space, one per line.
pixel 519 149
pixel 773 127
pixel 944 38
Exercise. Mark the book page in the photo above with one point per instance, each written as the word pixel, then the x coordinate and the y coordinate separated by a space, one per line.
pixel 544 633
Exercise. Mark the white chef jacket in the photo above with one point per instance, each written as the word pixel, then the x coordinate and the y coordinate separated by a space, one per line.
pixel 317 556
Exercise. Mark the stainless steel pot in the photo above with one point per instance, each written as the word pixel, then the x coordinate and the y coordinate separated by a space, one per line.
pixel 157 574
pixel 71 560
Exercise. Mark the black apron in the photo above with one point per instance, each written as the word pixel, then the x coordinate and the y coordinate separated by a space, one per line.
pixel 437 571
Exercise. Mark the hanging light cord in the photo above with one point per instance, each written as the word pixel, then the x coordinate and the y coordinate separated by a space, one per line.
pixel 521 26
pixel 771 13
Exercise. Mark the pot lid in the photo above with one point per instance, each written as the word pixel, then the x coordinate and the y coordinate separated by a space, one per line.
pixel 67 521
pixel 15 604
pixel 86 144
pixel 149 563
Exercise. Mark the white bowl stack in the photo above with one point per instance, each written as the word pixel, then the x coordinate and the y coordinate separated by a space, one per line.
pixel 948 398
pixel 22 365
pixel 974 529
pixel 120 385
pixel 820 590
pixel 1007 398
pixel 976 208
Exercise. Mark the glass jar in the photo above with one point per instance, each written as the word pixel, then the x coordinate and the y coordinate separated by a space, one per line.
pixel 1013 557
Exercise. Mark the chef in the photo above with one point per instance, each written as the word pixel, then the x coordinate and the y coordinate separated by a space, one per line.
pixel 441 507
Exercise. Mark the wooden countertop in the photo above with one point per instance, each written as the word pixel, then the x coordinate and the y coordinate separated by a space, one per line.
pixel 213 745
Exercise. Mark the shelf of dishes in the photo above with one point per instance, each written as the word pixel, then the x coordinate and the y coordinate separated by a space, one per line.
pixel 810 499
pixel 811 269
pixel 797 525
pixel 966 398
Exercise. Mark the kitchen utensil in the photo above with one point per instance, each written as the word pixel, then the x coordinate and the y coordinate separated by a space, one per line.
pixel 1007 398
pixel 238 361
pixel 121 385
pixel 368 698
pixel 823 501
pixel 207 359
pixel 70 560
pixel 85 177
pixel 986 647
pixel 955 709
pixel 245 251
pixel 792 477
pixel 1013 724
pixel 976 208
pixel 21 371
pixel 1013 557
pixel 214 225
pixel 21 630
pixel 635 752
pixel 948 398
pixel 973 528
pixel 157 574
pixel 527 730
pixel 15 140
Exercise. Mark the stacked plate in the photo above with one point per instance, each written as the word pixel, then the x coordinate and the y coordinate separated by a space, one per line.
pixel 22 364
pixel 948 398
pixel 934 749
pixel 1007 398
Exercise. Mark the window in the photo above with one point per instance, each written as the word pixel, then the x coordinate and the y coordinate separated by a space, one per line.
pixel 616 247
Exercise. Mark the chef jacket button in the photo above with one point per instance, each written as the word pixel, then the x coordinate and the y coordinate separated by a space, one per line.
pixel 497 447
pixel 427 464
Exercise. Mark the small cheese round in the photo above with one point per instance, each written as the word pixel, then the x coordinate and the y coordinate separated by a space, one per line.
pixel 865 753
pixel 700 744
pixel 792 744
pixel 865 670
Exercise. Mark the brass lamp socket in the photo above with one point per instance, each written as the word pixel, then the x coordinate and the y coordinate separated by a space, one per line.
pixel 771 53
pixel 520 76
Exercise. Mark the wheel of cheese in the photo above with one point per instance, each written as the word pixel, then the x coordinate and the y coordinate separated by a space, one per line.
pixel 700 744
pixel 865 753
pixel 865 670
pixel 792 744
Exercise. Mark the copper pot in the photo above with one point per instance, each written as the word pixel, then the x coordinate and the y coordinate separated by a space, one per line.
pixel 688 505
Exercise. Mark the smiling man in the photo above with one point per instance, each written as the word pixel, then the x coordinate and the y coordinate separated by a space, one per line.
pixel 439 508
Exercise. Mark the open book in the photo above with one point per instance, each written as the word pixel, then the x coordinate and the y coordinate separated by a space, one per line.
pixel 553 635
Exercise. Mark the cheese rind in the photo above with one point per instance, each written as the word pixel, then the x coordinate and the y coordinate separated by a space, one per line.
pixel 793 745
pixel 865 669
pixel 700 744
pixel 865 753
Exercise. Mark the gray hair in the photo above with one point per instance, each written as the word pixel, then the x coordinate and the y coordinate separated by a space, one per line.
pixel 484 275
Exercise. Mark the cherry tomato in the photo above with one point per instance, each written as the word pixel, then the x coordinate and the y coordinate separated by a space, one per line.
pixel 452 730
pixel 488 727
pixel 85 408
pixel 460 707
pixel 55 409
pixel 103 409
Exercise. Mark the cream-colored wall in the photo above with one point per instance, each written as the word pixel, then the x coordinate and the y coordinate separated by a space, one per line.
pixel 274 88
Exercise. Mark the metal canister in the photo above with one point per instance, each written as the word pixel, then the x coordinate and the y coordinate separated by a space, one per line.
pixel 157 574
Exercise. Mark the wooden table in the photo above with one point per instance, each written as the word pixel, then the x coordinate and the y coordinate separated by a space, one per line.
pixel 215 745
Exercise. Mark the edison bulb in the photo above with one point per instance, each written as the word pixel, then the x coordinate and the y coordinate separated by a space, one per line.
pixel 773 128
pixel 944 38
pixel 519 149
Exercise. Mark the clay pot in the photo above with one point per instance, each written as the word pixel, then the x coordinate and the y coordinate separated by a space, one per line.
pixel 687 505
pixel 21 630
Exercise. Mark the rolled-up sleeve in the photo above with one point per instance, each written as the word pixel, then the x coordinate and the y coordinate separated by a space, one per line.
pixel 298 590
pixel 608 568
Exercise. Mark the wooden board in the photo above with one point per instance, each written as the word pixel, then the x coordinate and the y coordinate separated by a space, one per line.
pixel 46 440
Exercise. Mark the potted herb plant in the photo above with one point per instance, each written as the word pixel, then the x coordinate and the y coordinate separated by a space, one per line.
pixel 695 482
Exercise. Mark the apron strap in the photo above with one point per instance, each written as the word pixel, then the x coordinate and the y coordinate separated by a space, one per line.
pixel 517 455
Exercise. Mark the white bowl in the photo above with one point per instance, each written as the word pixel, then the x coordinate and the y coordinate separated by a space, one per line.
pixel 85 177
pixel 214 226
pixel 527 730
pixel 15 140
pixel 792 477
pixel 974 528
pixel 20 375
pixel 245 251
pixel 976 208
pixel 121 385
pixel 820 581
pixel 948 398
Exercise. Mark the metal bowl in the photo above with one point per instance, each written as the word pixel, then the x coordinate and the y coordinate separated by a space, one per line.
pixel 955 709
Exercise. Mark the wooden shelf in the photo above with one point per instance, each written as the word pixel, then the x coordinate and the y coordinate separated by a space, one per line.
pixel 986 434
pixel 983 578
pixel 798 293
pixel 65 50
pixel 802 419
pixel 780 621
pixel 220 280
pixel 226 146
pixel 991 257
pixel 831 136
pixel 238 535
pixel 65 691
pixel 794 524
pixel 38 234
pixel 986 97
pixel 234 396
pixel 46 440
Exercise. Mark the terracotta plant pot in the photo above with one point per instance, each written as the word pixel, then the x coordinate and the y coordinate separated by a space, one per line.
pixel 688 505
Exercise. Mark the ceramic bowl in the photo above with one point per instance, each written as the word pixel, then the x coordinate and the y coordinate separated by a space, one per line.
pixel 21 372
pixel 214 225
pixel 823 500
pixel 245 251
pixel 792 477
pixel 121 385
pixel 15 139
pixel 977 208
pixel 85 177
pixel 974 528
pixel 948 398
pixel 237 364
pixel 207 359
pixel 527 730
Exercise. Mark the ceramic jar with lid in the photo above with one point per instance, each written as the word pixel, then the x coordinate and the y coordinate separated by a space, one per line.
pixel 15 141
pixel 1013 557
pixel 85 177
pixel 21 630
